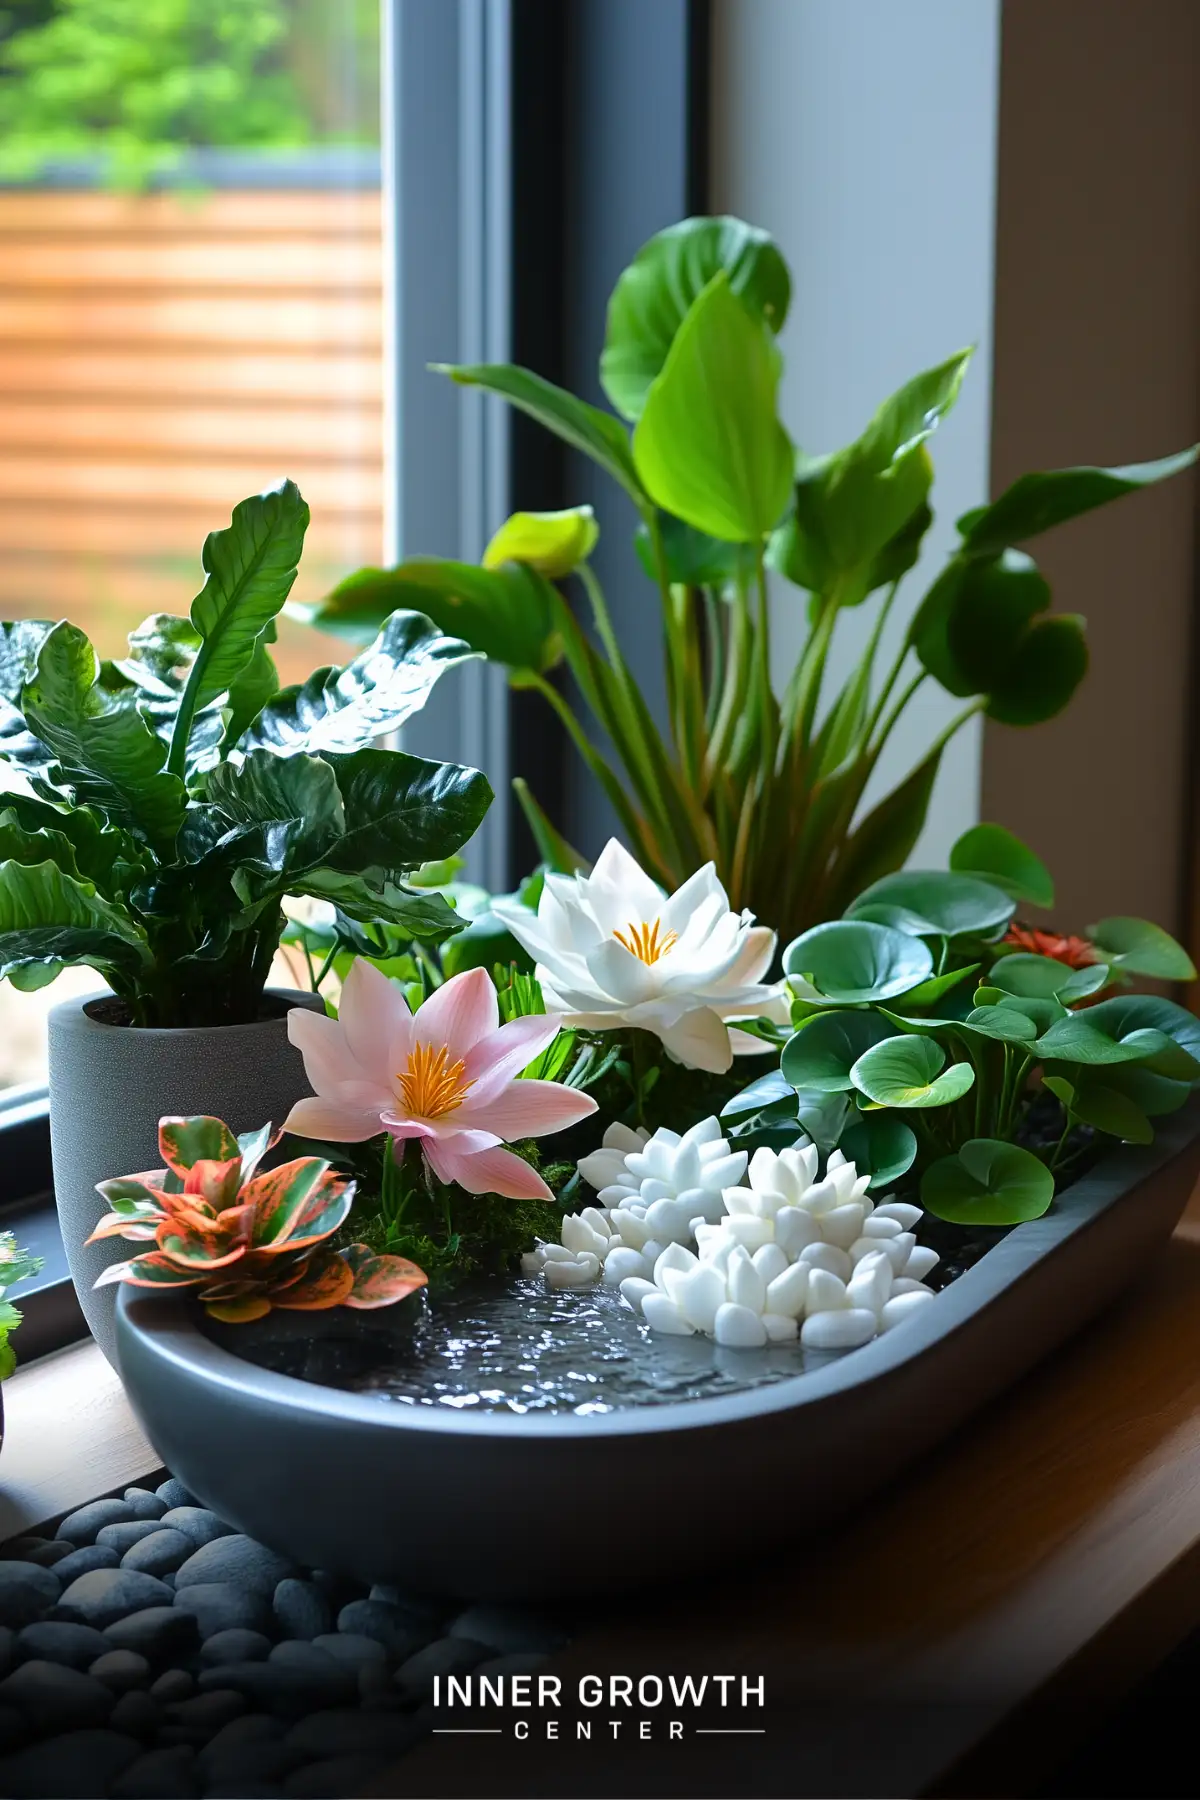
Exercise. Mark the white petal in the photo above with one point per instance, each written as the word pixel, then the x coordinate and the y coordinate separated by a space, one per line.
pixel 662 1314
pixel 739 1328
pixel 788 1292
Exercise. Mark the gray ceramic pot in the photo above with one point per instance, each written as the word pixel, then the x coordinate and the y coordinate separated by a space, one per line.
pixel 110 1085
pixel 489 1505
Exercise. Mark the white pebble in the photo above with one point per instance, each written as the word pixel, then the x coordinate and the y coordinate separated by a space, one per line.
pixel 905 1284
pixel 630 1227
pixel 825 1292
pixel 844 1330
pixel 794 1228
pixel 906 1216
pixel 578 1235
pixel 634 1291
pixel 673 1256
pixel 901 1307
pixel 780 1328
pixel 746 1286
pixel 698 1294
pixel 842 1225
pixel 770 1261
pixel 670 1221
pixel 555 1253
pixel 738 1328
pixel 921 1262
pixel 662 1314
pixel 828 1257
pixel 871 1284
pixel 748 1229
pixel 651 1249
pixel 880 1226
pixel 623 1263
pixel 579 1274
pixel 789 1291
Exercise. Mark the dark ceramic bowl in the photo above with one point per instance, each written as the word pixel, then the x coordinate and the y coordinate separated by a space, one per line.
pixel 502 1506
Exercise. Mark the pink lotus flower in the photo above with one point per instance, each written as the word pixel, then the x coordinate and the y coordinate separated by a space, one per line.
pixel 446 1075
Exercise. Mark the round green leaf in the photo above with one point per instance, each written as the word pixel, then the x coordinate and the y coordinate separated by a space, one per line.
pixel 1001 858
pixel 881 1143
pixel 851 960
pixel 904 1071
pixel 1049 665
pixel 1003 1023
pixel 1142 949
pixel 1045 978
pixel 937 903
pixel 987 1183
pixel 653 295
pixel 1131 1028
pixel 821 1055
pixel 709 446
pixel 1104 1104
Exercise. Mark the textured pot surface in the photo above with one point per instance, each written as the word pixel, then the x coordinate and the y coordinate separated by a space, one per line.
pixel 489 1505
pixel 110 1085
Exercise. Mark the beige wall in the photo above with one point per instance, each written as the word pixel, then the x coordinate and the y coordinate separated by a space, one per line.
pixel 1097 359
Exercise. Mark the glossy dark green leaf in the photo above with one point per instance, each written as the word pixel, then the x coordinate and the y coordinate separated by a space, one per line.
pixel 375 896
pixel 848 961
pixel 654 294
pixel 401 811
pixel 881 1145
pixel 709 447
pixel 1152 1094
pixel 257 683
pixel 294 799
pixel 822 1053
pixel 341 710
pixel 597 434
pixel 931 992
pixel 937 903
pixel 1049 665
pixel 1141 948
pixel 987 1183
pixel 108 755
pixel 768 1090
pixel 909 1071
pixel 21 641
pixel 998 856
pixel 48 917
pixel 1038 501
pixel 97 850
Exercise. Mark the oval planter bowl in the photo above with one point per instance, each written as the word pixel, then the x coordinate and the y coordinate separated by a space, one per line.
pixel 109 1086
pixel 489 1506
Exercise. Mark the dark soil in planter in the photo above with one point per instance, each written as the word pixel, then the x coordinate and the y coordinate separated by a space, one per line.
pixel 110 1009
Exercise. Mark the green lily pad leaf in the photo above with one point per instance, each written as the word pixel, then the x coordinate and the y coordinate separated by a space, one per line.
pixel 1044 1013
pixel 1045 978
pixel 709 447
pixel 987 1183
pixel 1098 1102
pixel 882 1144
pixel 1127 1029
pixel 1041 499
pixel 849 961
pixel 904 1071
pixel 1141 948
pixel 822 1054
pixel 1005 1023
pixel 1154 1094
pixel 938 903
pixel 1001 858
pixel 654 294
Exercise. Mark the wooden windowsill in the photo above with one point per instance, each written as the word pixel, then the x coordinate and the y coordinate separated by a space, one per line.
pixel 959 1632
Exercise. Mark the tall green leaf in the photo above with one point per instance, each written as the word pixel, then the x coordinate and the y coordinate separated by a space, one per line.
pixel 108 755
pixel 342 709
pixel 597 434
pixel 250 568
pixel 48 917
pixel 655 292
pixel 709 446
pixel 1040 500
pixel 884 838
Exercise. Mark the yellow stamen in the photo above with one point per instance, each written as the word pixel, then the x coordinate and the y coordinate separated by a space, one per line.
pixel 430 1088
pixel 644 942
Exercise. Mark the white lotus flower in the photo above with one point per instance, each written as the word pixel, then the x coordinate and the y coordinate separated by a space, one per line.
pixel 612 949
pixel 656 1189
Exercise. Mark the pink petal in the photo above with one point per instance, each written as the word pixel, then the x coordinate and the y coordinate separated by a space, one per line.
pixel 499 1058
pixel 325 1118
pixel 494 1171
pixel 530 1109
pixel 376 1020
pixel 465 1143
pixel 459 1013
pixel 322 1043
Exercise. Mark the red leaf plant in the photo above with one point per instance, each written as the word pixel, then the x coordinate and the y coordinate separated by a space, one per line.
pixel 245 1242
pixel 1076 952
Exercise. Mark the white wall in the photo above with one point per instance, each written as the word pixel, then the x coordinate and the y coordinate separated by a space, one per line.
pixel 862 134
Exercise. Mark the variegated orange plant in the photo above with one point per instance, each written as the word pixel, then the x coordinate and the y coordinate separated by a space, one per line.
pixel 245 1241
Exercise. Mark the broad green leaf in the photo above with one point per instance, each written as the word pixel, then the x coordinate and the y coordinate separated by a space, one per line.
pixel 1004 1023
pixel 1044 1013
pixel 342 710
pixel 998 856
pixel 553 543
pixel 401 810
pixel 1151 1094
pixel 1140 948
pixel 692 558
pixel 881 1144
pixel 654 294
pixel 1130 1028
pixel 884 838
pixel 768 1090
pixel 1049 665
pixel 597 434
pixel 1044 978
pixel 108 755
pixel 1097 1102
pixel 849 961
pixel 107 857
pixel 257 683
pixel 822 1053
pixel 909 1071
pixel 21 641
pixel 47 917
pixel 374 896
pixel 295 801
pixel 937 903
pixel 249 567
pixel 988 1183
pixel 1038 501
pixel 709 447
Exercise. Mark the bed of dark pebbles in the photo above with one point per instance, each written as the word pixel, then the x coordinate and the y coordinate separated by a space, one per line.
pixel 148 1651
